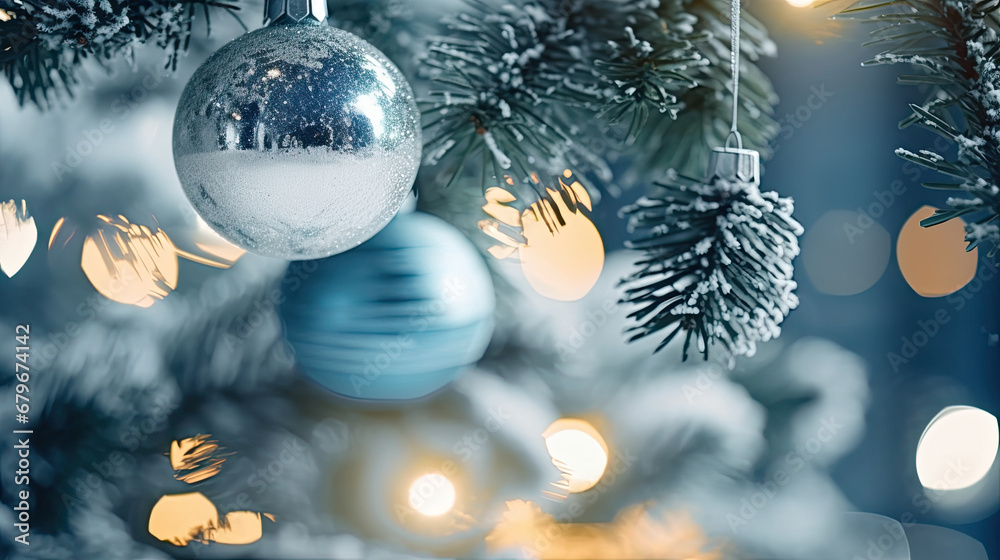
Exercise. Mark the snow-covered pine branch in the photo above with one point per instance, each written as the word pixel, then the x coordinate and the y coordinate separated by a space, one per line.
pixel 43 43
pixel 518 85
pixel 684 143
pixel 717 264
pixel 953 48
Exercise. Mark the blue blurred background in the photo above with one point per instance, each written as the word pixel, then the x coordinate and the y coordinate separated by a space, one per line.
pixel 834 154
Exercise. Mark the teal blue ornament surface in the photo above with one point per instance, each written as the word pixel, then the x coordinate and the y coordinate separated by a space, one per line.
pixel 396 318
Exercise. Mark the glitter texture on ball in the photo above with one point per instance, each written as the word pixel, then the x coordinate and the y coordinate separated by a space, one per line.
pixel 297 141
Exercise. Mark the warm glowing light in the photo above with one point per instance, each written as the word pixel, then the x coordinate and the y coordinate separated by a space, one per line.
pixel 196 459
pixel 181 518
pixel 129 263
pixel 209 248
pixel 18 236
pixel 579 451
pixel 632 534
pixel 958 448
pixel 432 495
pixel 933 260
pixel 562 254
pixel 55 232
pixel 4 16
pixel 238 527
pixel 801 3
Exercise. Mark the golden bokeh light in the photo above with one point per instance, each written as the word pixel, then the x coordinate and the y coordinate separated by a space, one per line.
pixel 197 458
pixel 578 451
pixel 238 527
pixel 562 253
pixel 633 534
pixel 801 3
pixel 958 448
pixel 18 236
pixel 129 263
pixel 933 260
pixel 180 518
pixel 432 495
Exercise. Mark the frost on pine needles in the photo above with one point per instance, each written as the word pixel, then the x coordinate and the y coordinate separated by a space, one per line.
pixel 717 264
pixel 503 80
pixel 519 86
pixel 43 44
pixel 953 47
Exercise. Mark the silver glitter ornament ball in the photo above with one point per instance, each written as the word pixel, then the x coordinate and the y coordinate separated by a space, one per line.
pixel 297 141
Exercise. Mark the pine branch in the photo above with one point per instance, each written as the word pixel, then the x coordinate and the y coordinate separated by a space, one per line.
pixel 518 86
pixel 647 78
pixel 717 264
pixel 398 28
pixel 953 47
pixel 44 43
pixel 644 64
pixel 685 143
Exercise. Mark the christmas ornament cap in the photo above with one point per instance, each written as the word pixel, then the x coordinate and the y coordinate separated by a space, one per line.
pixel 734 164
pixel 291 12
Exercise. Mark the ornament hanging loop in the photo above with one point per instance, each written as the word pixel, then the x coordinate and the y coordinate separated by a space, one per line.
pixel 739 139
pixel 734 60
pixel 735 163
pixel 295 12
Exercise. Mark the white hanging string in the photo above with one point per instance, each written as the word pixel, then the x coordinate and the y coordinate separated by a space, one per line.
pixel 734 60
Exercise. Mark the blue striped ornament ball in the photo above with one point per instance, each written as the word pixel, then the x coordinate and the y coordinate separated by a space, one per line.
pixel 396 318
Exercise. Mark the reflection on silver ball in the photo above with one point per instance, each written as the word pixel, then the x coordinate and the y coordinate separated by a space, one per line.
pixel 297 141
